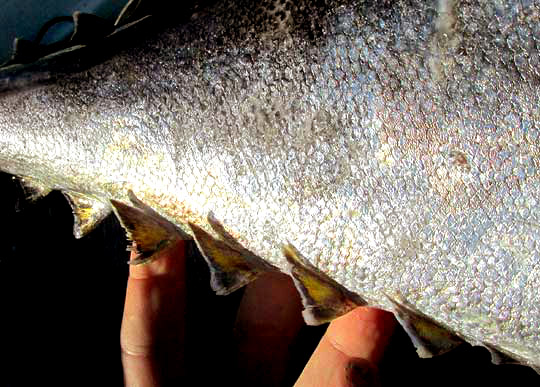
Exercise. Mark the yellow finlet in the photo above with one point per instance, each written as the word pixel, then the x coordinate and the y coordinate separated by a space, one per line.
pixel 323 298
pixel 150 231
pixel 88 212
pixel 428 336
pixel 231 265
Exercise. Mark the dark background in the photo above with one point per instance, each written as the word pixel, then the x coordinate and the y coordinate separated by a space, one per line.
pixel 61 303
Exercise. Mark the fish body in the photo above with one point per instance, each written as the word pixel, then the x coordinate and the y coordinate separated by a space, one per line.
pixel 394 145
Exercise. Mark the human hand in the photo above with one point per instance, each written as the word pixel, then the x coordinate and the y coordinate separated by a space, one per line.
pixel 153 331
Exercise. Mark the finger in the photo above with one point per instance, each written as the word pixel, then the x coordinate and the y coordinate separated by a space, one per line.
pixel 268 320
pixel 362 333
pixel 153 330
pixel 349 350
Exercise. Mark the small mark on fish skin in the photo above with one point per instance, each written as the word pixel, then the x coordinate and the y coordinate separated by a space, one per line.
pixel 459 159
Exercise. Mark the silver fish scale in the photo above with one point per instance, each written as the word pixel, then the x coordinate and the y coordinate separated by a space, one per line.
pixel 395 145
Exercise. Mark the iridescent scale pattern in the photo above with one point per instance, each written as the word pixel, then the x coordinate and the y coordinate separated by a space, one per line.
pixel 394 144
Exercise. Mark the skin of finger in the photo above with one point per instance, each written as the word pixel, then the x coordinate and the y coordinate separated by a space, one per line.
pixel 268 320
pixel 153 326
pixel 139 371
pixel 357 338
pixel 362 333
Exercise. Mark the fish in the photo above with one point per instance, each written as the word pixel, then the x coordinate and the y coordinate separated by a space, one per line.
pixel 381 153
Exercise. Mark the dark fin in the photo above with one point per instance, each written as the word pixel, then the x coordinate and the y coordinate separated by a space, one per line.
pixel 231 266
pixel 24 51
pixel 429 337
pixel 88 212
pixel 133 10
pixel 92 41
pixel 88 28
pixel 323 298
pixel 33 189
pixel 149 230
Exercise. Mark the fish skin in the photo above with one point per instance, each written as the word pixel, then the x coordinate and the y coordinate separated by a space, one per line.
pixel 395 145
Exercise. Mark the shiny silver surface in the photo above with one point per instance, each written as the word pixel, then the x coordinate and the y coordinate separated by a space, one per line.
pixel 394 144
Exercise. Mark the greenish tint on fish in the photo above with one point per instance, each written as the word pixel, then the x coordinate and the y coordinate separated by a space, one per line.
pixel 382 153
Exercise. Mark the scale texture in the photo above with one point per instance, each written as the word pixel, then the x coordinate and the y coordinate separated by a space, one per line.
pixel 395 144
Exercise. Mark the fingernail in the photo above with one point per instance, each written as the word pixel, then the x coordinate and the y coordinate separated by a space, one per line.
pixel 360 373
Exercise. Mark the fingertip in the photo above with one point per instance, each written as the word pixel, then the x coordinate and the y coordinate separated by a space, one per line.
pixel 362 333
pixel 349 350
